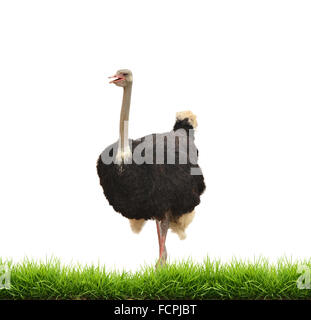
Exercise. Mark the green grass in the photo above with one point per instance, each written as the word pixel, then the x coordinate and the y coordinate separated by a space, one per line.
pixel 184 280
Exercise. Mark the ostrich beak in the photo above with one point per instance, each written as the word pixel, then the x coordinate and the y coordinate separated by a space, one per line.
pixel 118 77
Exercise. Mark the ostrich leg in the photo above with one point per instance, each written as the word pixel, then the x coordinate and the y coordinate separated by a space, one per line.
pixel 162 228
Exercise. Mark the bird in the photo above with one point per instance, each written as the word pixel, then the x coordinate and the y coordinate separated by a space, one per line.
pixel 155 177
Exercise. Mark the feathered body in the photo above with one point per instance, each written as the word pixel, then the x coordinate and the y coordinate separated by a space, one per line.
pixel 149 191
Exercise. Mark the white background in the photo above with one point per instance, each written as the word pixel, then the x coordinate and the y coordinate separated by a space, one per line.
pixel 243 67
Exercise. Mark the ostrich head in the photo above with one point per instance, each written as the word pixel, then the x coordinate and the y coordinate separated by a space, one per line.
pixel 123 78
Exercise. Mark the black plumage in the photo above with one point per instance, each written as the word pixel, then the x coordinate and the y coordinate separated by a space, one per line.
pixel 148 191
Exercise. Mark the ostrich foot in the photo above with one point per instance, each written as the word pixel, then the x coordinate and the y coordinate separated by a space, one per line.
pixel 162 259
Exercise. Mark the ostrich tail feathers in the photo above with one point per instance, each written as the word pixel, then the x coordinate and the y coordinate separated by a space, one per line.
pixel 137 224
pixel 181 224
pixel 185 120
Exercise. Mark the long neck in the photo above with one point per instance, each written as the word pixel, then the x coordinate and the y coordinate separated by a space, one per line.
pixel 124 118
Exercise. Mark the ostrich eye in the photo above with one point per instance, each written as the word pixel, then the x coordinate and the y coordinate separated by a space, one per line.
pixel 125 74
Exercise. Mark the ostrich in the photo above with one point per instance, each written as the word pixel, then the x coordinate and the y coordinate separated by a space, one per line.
pixel 165 191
